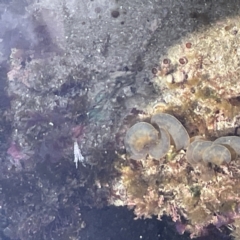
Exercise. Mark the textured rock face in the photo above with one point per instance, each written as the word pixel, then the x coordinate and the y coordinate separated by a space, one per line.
pixel 198 82
pixel 81 72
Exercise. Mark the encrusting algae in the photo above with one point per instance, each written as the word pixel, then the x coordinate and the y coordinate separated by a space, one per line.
pixel 196 178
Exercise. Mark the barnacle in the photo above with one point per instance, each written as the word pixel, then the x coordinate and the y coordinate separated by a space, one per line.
pixel 166 66
pixel 188 45
pixel 154 71
pixel 143 139
pixel 183 60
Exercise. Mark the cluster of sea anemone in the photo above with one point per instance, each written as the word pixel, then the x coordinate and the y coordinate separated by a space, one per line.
pixel 155 139
pixel 222 150
pixel 193 180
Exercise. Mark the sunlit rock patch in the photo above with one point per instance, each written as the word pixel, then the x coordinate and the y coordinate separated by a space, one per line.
pixel 200 75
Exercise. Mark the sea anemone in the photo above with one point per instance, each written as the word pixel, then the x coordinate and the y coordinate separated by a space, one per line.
pixel 143 139
pixel 174 127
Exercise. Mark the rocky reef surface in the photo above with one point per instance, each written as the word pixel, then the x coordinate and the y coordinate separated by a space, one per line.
pixel 198 187
pixel 76 75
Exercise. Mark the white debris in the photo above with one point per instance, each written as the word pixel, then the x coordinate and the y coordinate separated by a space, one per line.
pixel 77 154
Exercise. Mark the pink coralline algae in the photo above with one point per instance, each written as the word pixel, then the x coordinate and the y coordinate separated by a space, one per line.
pixel 77 131
pixel 15 152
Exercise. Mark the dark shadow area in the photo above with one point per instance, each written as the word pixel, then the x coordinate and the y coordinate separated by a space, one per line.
pixel 117 223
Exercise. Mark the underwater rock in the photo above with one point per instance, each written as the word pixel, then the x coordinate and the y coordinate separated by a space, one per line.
pixel 206 94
